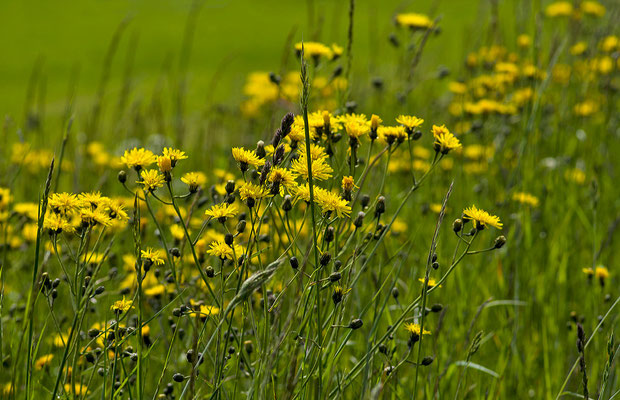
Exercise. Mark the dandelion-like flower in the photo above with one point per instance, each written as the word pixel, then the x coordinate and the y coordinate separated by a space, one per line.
pixel 56 223
pixel 414 21
pixel 63 203
pixel 151 179
pixel 249 190
pixel 409 122
pixel 321 170
pixel 392 134
pixel 194 180
pixel 332 203
pixel 414 329
pixel 121 306
pixel 222 211
pixel 174 155
pixel 481 218
pixel 138 158
pixel 445 141
pixel 224 251
pixel 246 158
pixel 155 257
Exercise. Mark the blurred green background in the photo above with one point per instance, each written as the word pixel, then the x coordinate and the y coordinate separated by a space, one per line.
pixel 69 40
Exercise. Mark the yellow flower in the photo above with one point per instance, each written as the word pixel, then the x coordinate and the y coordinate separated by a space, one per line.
pixel 154 256
pixel 93 217
pixel 246 158
pixel 92 199
pixel 174 155
pixel 56 223
pixel 601 273
pixel 524 40
pixel 151 179
pixel 356 129
pixel 559 9
pixel 194 180
pixel 281 176
pixel 316 152
pixel 579 48
pixel 250 190
pixel 331 203
pixel 164 163
pixel 154 291
pixel 414 21
pixel 315 50
pixel 481 218
pixel 80 389
pixel 593 8
pixel 375 121
pixel 222 211
pixel 116 210
pixel 43 361
pixel 63 203
pixel 391 134
pixel 409 122
pixel 206 311
pixel 321 170
pixel 348 184
pixel 444 139
pixel 121 306
pixel 414 329
pixel 138 158
pixel 431 282
pixel 224 251
pixel 525 198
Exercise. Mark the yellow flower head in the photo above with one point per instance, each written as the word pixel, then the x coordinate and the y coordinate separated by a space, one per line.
pixel 138 158
pixel 206 311
pixel 164 163
pixel 601 273
pixel 224 251
pixel 56 223
pixel 481 218
pixel 43 361
pixel 414 21
pixel 63 203
pixel 375 121
pixel 249 190
pixel 356 129
pixel 222 211
pixel 121 306
pixel 409 122
pixel 151 179
pixel 174 155
pixel 93 217
pixel 315 50
pixel 246 157
pixel 281 176
pixel 392 134
pixel 444 140
pixel 153 256
pixel 414 329
pixel 559 9
pixel 348 184
pixel 331 203
pixel 321 170
pixel 431 282
pixel 194 180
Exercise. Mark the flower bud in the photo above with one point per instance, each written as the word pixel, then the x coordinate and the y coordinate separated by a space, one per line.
pixel 500 241
pixel 122 176
pixel 356 324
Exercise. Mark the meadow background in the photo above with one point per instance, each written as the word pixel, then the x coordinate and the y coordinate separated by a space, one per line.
pixel 173 74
